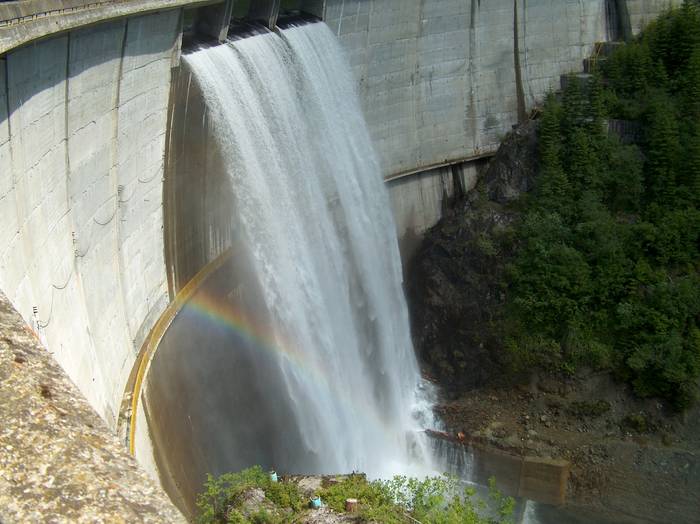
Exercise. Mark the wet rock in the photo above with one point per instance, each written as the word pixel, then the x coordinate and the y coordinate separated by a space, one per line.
pixel 252 501
pixel 309 485
pixel 512 171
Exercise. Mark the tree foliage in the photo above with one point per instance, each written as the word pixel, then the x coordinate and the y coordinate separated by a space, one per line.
pixel 606 272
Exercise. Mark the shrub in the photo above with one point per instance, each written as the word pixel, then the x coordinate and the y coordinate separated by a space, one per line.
pixel 436 500
pixel 222 496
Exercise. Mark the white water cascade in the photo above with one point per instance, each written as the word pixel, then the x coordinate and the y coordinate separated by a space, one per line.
pixel 316 220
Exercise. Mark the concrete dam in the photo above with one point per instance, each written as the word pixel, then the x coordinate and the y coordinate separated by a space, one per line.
pixel 118 210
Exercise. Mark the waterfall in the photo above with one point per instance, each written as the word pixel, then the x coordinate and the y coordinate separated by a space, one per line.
pixel 342 381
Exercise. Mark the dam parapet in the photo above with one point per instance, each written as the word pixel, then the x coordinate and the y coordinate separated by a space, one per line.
pixel 26 21
pixel 60 462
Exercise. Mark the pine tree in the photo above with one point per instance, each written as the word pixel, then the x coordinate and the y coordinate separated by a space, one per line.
pixel 691 87
pixel 662 152
pixel 596 107
pixel 574 110
pixel 692 165
pixel 553 186
pixel 582 165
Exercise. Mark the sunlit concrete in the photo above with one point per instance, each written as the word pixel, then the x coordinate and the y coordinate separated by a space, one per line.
pixel 81 243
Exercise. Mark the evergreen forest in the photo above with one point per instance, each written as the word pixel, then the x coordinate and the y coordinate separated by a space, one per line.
pixel 605 271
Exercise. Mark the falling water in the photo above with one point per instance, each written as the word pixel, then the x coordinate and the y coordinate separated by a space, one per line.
pixel 317 224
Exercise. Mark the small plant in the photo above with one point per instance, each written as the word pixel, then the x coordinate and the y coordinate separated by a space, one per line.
pixel 223 497
pixel 638 422
pixel 401 500
pixel 589 409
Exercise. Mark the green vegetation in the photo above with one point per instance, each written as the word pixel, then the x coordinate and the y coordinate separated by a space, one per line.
pixel 638 422
pixel 592 409
pixel 402 500
pixel 606 269
pixel 224 497
pixel 438 500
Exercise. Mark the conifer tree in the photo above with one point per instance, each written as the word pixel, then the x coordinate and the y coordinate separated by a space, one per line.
pixel 692 165
pixel 581 162
pixel 691 86
pixel 553 185
pixel 574 110
pixel 606 271
pixel 596 107
pixel 662 152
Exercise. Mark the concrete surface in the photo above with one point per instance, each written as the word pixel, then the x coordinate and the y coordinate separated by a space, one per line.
pixel 197 191
pixel 59 461
pixel 418 200
pixel 539 479
pixel 81 247
pixel 23 22
pixel 438 83
pixel 437 77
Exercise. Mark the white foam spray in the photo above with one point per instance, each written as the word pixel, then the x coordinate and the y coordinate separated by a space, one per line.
pixel 315 213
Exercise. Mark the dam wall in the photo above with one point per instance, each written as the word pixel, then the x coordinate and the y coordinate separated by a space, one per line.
pixel 82 133
pixel 88 254
pixel 438 79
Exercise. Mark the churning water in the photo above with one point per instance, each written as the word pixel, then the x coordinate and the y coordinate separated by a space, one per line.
pixel 318 229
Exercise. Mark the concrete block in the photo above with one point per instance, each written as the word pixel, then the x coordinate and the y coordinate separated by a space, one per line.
pixel 214 20
pixel 544 480
pixel 314 7
pixel 265 11
pixel 506 468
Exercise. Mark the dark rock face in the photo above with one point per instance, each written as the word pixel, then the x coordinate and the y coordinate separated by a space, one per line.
pixel 455 280
pixel 512 171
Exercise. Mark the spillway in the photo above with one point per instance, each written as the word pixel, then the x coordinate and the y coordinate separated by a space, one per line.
pixel 297 353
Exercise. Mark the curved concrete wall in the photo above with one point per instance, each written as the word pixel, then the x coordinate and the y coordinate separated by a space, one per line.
pixel 438 78
pixel 82 134
pixel 442 81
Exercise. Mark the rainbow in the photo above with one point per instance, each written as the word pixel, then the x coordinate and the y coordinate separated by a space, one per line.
pixel 218 310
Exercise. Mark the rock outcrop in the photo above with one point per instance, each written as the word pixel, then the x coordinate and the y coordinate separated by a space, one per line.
pixel 455 281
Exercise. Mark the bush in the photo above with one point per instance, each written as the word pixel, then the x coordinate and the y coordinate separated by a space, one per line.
pixel 222 497
pixel 403 500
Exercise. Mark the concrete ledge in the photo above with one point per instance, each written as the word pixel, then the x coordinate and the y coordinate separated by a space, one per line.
pixel 25 22
pixel 132 394
pixel 544 480
pixel 535 478
pixel 265 11
pixel 446 163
